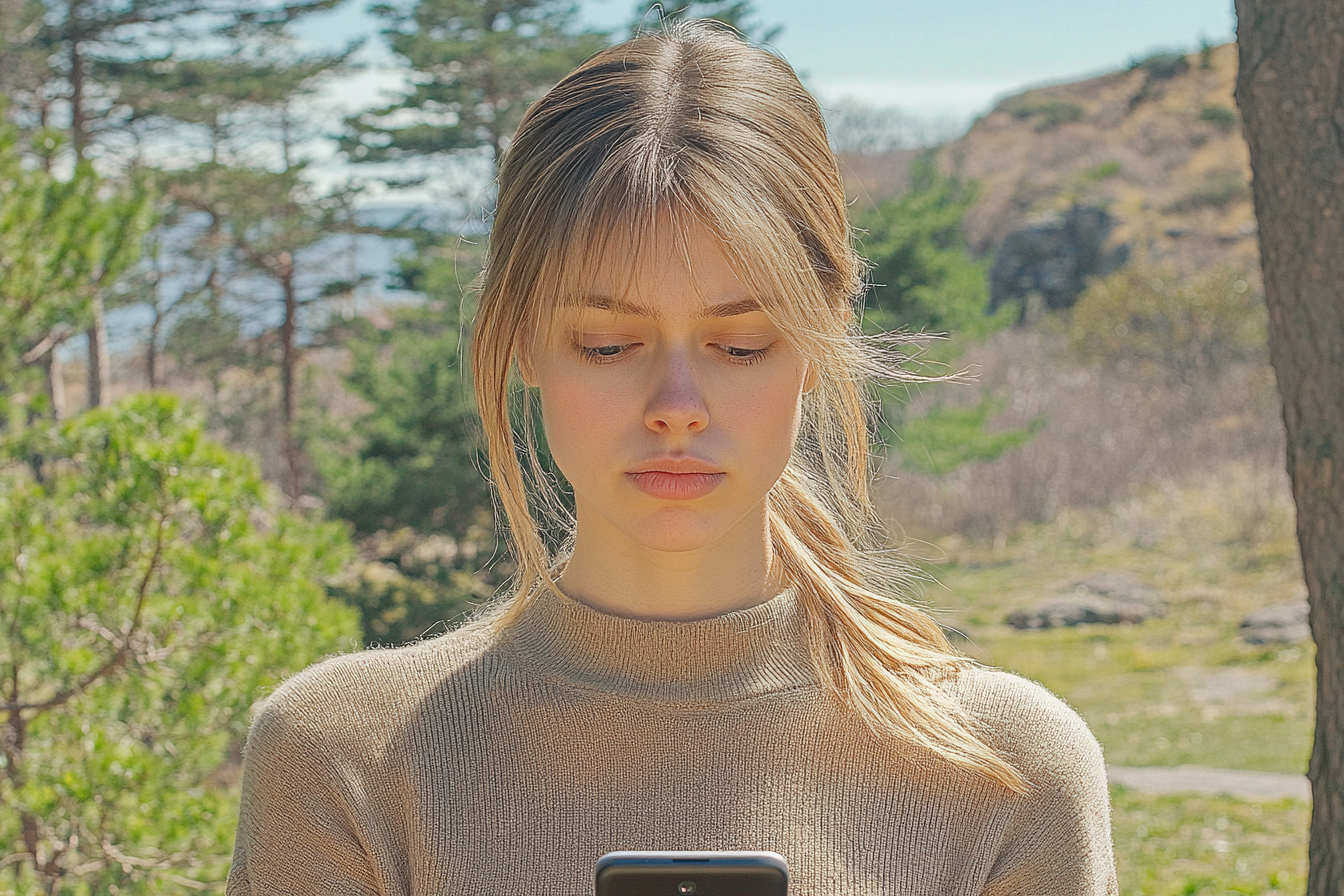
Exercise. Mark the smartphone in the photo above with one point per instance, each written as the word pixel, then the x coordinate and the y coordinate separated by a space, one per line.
pixel 631 873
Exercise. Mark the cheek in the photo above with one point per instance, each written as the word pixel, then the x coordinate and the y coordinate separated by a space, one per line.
pixel 580 420
pixel 767 419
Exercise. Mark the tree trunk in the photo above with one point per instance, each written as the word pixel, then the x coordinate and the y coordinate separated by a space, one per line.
pixel 79 136
pixel 289 360
pixel 99 363
pixel 78 123
pixel 152 350
pixel 55 376
pixel 1291 92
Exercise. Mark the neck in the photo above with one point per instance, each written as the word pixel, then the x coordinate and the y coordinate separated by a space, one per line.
pixel 612 573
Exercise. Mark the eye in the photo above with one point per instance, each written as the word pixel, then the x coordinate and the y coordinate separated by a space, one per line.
pixel 743 355
pixel 600 354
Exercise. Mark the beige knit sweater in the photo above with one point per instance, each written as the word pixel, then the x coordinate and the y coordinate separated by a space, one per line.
pixel 492 763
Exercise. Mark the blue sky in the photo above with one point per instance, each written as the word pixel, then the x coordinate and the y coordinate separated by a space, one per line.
pixel 938 58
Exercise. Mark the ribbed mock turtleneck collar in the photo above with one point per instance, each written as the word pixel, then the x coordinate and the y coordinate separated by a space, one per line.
pixel 746 653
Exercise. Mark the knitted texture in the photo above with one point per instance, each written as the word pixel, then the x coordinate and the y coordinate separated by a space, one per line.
pixel 504 762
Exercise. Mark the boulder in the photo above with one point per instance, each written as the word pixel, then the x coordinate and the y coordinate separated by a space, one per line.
pixel 1054 259
pixel 1107 598
pixel 1284 623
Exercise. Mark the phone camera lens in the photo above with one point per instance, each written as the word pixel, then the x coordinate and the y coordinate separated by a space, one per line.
pixel 686 887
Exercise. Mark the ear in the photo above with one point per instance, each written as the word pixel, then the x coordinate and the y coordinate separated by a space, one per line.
pixel 811 376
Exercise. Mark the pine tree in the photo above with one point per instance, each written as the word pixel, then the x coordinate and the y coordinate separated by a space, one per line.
pixel 251 220
pixel 256 221
pixel 476 65
pixel 264 238
pixel 69 57
pixel 63 245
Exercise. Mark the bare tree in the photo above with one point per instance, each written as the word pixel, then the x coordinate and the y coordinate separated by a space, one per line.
pixel 1291 92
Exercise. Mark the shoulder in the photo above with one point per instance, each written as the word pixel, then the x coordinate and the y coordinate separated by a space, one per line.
pixel 1039 733
pixel 1057 836
pixel 366 696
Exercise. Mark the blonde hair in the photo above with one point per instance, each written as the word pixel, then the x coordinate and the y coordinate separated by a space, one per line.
pixel 691 125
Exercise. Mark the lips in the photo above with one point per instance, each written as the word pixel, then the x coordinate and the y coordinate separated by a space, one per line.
pixel 676 479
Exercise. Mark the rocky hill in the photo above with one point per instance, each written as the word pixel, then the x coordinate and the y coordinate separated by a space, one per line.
pixel 1158 148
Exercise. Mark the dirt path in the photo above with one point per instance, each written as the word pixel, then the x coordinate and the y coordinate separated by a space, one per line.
pixel 1199 779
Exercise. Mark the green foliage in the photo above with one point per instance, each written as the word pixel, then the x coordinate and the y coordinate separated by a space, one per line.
pixel 476 67
pixel 1079 188
pixel 409 474
pixel 1049 112
pixel 1223 118
pixel 408 585
pixel 207 91
pixel 943 439
pixel 924 279
pixel 117 42
pixel 207 337
pixel 62 242
pixel 1183 327
pixel 152 597
pixel 740 15
pixel 415 458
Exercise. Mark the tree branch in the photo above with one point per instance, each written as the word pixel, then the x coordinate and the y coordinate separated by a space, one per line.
pixel 118 659
pixel 49 343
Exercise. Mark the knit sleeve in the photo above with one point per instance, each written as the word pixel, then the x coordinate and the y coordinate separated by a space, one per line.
pixel 1058 841
pixel 296 836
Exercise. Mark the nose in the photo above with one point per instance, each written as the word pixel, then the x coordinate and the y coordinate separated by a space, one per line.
pixel 675 403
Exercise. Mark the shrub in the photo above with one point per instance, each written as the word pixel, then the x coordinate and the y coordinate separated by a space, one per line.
pixel 924 278
pixel 1162 66
pixel 1184 327
pixel 1098 173
pixel 154 593
pixel 943 439
pixel 1218 189
pixel 1049 112
pixel 1223 118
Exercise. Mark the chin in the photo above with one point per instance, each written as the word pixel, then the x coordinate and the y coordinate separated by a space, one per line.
pixel 678 537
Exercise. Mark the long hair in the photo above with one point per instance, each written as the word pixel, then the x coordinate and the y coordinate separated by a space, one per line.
pixel 691 125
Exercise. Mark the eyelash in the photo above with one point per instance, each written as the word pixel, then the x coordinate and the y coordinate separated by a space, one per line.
pixel 593 354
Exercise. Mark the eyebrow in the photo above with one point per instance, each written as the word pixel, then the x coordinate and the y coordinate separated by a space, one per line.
pixel 621 306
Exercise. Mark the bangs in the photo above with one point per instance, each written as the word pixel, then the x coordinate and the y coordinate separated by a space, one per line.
pixel 623 224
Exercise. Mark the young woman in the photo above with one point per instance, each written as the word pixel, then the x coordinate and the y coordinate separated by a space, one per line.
pixel 716 657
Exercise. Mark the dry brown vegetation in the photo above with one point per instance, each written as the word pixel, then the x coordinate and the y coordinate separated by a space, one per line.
pixel 1162 150
pixel 1110 433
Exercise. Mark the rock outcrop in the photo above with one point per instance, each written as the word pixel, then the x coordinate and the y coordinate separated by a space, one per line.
pixel 1107 598
pixel 1054 260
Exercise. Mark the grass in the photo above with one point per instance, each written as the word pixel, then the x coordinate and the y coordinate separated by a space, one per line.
pixel 1179 689
pixel 1172 691
pixel 1183 688
pixel 1206 845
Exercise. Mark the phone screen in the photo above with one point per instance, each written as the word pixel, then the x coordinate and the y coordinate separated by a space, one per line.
pixel 692 874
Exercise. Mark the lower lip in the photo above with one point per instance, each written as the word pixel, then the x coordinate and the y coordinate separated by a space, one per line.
pixel 675 486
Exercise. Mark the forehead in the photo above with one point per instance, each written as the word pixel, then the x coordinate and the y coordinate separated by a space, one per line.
pixel 667 269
